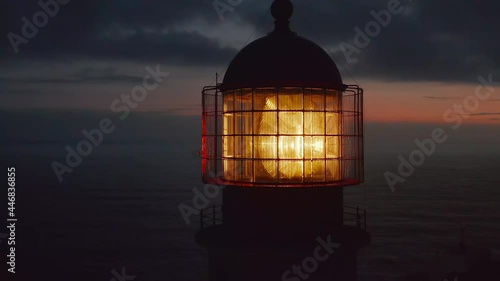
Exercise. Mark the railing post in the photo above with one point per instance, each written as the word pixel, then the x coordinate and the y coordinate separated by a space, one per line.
pixel 364 223
pixel 213 214
pixel 358 223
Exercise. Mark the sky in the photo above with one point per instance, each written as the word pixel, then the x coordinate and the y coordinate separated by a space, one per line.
pixel 415 69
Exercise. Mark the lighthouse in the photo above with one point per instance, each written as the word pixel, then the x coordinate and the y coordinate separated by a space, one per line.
pixel 284 135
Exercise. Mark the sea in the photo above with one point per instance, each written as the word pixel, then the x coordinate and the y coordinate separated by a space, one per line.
pixel 118 211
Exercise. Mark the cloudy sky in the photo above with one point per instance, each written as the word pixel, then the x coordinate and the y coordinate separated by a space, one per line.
pixel 427 58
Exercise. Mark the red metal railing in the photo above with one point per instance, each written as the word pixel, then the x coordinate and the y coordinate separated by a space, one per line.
pixel 353 216
pixel 348 109
pixel 356 216
pixel 211 216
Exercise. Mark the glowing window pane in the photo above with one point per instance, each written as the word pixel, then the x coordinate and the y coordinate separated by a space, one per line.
pixel 291 171
pixel 332 170
pixel 332 100
pixel 264 98
pixel 291 147
pixel 292 137
pixel 243 100
pixel 290 99
pixel 243 124
pixel 266 123
pixel 243 147
pixel 314 147
pixel 266 171
pixel 266 147
pixel 332 124
pixel 229 169
pixel 332 147
pixel 314 171
pixel 243 170
pixel 314 101
pixel 228 124
pixel 290 123
pixel 228 146
pixel 314 123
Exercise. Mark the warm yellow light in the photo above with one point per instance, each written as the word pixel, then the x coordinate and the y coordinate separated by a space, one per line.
pixel 292 137
pixel 294 147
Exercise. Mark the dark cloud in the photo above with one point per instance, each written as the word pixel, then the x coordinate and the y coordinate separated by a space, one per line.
pixel 121 30
pixel 174 48
pixel 104 75
pixel 75 79
pixel 85 75
pixel 430 41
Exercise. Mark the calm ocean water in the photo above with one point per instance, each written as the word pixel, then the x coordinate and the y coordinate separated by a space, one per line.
pixel 119 208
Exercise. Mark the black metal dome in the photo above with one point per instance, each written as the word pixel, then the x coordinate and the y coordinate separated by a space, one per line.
pixel 282 58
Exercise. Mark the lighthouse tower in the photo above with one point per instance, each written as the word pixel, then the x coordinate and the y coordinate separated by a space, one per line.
pixel 284 135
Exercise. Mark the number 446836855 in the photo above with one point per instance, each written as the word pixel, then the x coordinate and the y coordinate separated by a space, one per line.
pixel 11 181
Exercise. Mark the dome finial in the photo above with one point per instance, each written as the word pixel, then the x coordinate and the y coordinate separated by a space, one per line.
pixel 282 11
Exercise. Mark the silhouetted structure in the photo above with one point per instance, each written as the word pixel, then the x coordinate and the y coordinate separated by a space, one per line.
pixel 284 135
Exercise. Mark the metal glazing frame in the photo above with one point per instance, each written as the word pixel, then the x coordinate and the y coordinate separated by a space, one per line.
pixel 350 134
